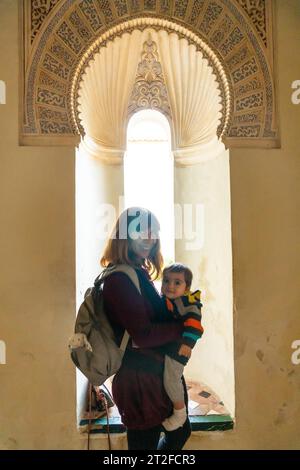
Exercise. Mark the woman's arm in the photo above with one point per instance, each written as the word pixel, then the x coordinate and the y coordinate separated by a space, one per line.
pixel 127 308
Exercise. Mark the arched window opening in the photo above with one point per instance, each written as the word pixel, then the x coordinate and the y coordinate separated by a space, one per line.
pixel 202 208
pixel 191 199
pixel 149 172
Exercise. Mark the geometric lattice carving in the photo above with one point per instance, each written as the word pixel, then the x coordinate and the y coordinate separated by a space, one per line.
pixel 256 10
pixel 39 11
pixel 149 89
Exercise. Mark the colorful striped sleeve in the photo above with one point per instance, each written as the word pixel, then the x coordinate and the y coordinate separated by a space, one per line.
pixel 189 308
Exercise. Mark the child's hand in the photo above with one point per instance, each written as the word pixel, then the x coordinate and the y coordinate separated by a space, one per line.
pixel 185 351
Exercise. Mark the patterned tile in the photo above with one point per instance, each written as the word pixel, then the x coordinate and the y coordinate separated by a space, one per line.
pixel 204 394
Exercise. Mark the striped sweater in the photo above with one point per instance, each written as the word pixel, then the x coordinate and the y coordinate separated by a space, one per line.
pixel 187 308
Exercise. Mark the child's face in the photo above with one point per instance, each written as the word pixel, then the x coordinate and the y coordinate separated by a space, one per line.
pixel 173 285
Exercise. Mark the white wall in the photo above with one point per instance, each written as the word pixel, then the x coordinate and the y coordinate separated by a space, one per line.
pixel 37 292
pixel 208 184
pixel 97 185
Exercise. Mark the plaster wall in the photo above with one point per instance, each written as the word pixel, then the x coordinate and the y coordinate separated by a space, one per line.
pixel 97 204
pixel 37 277
pixel 265 204
pixel 206 188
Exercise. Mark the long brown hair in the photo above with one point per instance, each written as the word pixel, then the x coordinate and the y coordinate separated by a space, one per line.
pixel 117 250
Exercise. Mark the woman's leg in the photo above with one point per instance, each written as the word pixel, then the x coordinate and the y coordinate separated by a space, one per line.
pixel 146 439
pixel 175 440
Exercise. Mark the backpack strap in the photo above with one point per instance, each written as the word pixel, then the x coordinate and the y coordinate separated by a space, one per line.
pixel 131 273
pixel 124 341
pixel 122 268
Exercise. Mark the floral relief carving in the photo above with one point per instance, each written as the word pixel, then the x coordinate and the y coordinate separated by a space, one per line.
pixel 196 11
pixel 52 65
pixel 245 131
pixel 232 41
pixel 48 97
pixel 121 7
pixel 149 90
pixel 134 5
pixel 52 127
pixel 150 4
pixel 53 121
pixel 180 8
pixel 61 53
pixel 69 38
pixel 164 6
pixel 239 56
pixel 247 69
pixel 52 115
pixel 253 118
pixel 249 102
pixel 211 15
pixel 77 22
pixel 90 12
pixel 249 86
pixel 106 10
pixel 53 84
pixel 223 29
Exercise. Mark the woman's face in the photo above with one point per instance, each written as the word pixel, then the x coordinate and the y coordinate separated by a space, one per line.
pixel 142 245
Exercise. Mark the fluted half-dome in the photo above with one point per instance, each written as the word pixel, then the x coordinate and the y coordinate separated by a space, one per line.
pixel 192 93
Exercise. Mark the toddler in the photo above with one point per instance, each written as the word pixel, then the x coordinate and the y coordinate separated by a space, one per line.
pixel 181 303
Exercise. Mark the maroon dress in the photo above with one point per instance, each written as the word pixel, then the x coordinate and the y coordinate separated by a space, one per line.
pixel 138 386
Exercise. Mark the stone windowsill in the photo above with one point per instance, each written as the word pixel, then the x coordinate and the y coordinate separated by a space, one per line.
pixel 198 423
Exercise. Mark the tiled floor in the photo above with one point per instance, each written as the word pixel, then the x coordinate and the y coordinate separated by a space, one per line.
pixel 204 401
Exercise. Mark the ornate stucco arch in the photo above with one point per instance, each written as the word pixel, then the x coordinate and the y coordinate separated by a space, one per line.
pixel 164 58
pixel 60 35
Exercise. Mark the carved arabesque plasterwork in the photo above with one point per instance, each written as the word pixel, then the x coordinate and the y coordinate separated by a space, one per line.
pixel 156 77
pixel 256 10
pixel 157 25
pixel 62 32
pixel 38 12
pixel 149 91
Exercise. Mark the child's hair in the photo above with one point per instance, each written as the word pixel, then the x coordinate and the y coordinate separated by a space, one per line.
pixel 180 268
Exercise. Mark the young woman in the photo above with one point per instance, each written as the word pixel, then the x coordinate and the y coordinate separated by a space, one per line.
pixel 138 386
